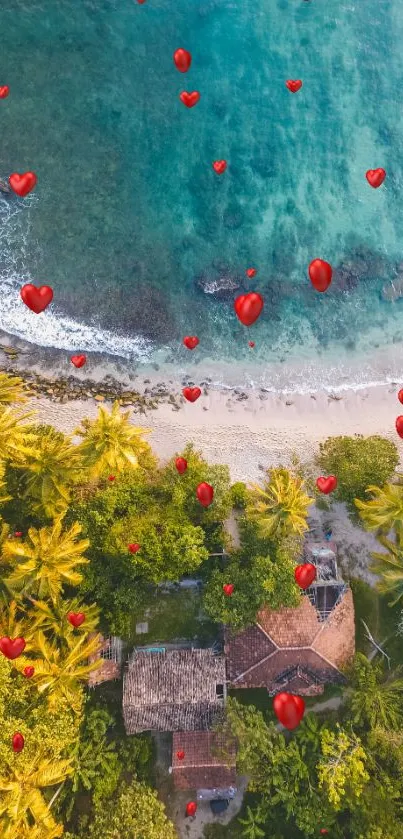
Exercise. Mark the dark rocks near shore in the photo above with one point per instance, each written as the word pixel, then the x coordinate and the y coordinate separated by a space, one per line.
pixel 219 282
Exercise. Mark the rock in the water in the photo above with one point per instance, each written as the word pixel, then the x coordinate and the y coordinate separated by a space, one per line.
pixel 393 290
pixel 222 286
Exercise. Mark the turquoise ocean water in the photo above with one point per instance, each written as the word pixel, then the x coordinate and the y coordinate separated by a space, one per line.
pixel 128 212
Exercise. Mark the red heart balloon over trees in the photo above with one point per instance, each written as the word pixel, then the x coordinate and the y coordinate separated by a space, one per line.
pixel 289 709
pixel 133 548
pixel 375 177
pixel 182 60
pixel 190 99
pixel 320 274
pixel 17 742
pixel 181 465
pixel 305 574
pixel 191 393
pixel 22 184
pixel 205 494
pixel 326 485
pixel 191 808
pixel 228 588
pixel 37 299
pixel 28 671
pixel 190 341
pixel 12 648
pixel 76 618
pixel 248 307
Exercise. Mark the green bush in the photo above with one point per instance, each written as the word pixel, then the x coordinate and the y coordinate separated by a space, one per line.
pixel 239 495
pixel 357 462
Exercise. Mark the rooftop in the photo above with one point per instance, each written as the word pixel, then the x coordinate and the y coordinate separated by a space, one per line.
pixel 204 765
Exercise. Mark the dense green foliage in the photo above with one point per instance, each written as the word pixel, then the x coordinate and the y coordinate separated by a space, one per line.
pixel 357 462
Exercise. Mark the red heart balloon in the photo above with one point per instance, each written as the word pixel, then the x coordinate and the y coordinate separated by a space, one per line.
pixel 294 85
pixel 205 494
pixel 220 166
pixel 28 671
pixel 78 360
pixel 251 272
pixel 17 742
pixel 191 342
pixel 4 91
pixel 305 574
pixel 375 177
pixel 400 396
pixel 37 299
pixel 181 465
pixel 22 184
pixel 180 755
pixel 191 393
pixel 134 547
pixel 399 426
pixel 326 485
pixel 228 588
pixel 190 99
pixel 182 60
pixel 76 618
pixel 12 648
pixel 320 274
pixel 289 709
pixel 251 344
pixel 191 808
pixel 111 478
pixel 18 533
pixel 248 307
pixel 141 2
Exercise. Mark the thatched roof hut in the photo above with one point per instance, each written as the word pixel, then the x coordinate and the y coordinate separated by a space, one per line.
pixel 174 690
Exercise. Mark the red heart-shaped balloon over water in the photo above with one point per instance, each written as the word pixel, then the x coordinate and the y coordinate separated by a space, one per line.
pixel 4 91
pixel 37 299
pixel 219 166
pixel 17 742
pixel 180 755
pixel 28 671
pixel 76 618
pixel 191 808
pixel 181 465
pixel 228 588
pixel 251 344
pixel 205 494
pixel 294 85
pixel 78 360
pixel 326 485
pixel 134 547
pixel 375 177
pixel 12 648
pixel 182 60
pixel 248 307
pixel 190 99
pixel 320 274
pixel 251 272
pixel 399 426
pixel 400 396
pixel 305 574
pixel 191 393
pixel 190 341
pixel 289 709
pixel 22 184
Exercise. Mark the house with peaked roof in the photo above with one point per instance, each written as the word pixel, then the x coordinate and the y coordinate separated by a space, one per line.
pixel 301 649
pixel 207 764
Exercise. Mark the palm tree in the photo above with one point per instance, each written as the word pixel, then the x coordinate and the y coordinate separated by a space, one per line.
pixel 3 484
pixel 22 801
pixel 389 567
pixel 110 443
pixel 385 509
pixel 58 673
pixel 13 621
pixel 16 437
pixel 253 824
pixel 11 389
pixel 51 467
pixel 51 618
pixel 45 561
pixel 281 507
pixel 373 699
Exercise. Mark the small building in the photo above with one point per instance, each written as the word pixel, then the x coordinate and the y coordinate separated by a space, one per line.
pixel 298 650
pixel 173 690
pixel 208 765
pixel 111 651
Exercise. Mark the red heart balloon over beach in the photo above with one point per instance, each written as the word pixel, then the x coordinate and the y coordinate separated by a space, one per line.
pixel 191 808
pixel 399 426
pixel 294 85
pixel 134 547
pixel 248 307
pixel 251 272
pixel 28 671
pixel 78 360
pixel 375 177
pixel 190 99
pixel 181 465
pixel 205 494
pixel 22 184
pixel 251 344
pixel 76 618
pixel 190 341
pixel 400 396
pixel 220 166
pixel 191 393
pixel 228 588
pixel 17 742
pixel 37 299
pixel 180 755
pixel 4 91
pixel 289 709
pixel 320 274
pixel 182 60
pixel 12 648
pixel 326 485
pixel 305 574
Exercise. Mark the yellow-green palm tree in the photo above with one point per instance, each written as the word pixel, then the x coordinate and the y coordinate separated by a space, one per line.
pixel 3 484
pixel 14 622
pixel 281 507
pixel 389 567
pixel 11 389
pixel 21 798
pixel 110 443
pixel 16 436
pixel 51 618
pixel 59 673
pixel 50 469
pixel 385 509
pixel 45 561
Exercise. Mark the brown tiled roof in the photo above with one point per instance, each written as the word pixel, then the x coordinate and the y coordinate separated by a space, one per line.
pixel 203 767
pixel 296 639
